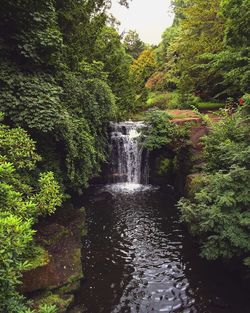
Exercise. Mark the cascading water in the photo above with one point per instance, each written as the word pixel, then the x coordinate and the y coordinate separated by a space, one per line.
pixel 128 159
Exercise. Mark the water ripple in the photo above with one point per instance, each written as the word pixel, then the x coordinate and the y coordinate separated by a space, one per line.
pixel 135 256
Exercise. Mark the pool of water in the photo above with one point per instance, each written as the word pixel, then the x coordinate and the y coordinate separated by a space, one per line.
pixel 138 257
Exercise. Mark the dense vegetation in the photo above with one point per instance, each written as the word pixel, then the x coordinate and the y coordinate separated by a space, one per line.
pixel 204 61
pixel 64 74
pixel 203 58
pixel 65 71
pixel 25 195
pixel 218 213
pixel 161 132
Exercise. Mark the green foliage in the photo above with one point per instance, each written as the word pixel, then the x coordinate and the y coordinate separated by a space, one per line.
pixel 141 69
pixel 176 100
pixel 62 74
pixel 237 14
pixel 29 29
pixel 29 100
pixel 109 49
pixel 228 145
pixel 20 206
pixel 219 212
pixel 201 32
pixel 48 197
pixel 133 44
pixel 159 100
pixel 90 103
pixel 206 51
pixel 16 236
pixel 18 148
pixel 47 308
pixel 160 132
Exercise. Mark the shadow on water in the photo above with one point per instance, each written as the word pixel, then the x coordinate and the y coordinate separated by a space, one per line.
pixel 138 258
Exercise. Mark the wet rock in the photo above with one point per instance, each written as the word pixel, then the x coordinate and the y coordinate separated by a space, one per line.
pixel 62 302
pixel 64 264
pixel 196 133
pixel 76 309
pixel 54 281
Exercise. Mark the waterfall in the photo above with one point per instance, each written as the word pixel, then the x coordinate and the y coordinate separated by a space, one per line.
pixel 128 159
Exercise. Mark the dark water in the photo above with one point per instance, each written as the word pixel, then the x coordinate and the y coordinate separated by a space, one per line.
pixel 140 259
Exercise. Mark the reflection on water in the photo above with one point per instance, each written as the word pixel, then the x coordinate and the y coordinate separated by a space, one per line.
pixel 139 258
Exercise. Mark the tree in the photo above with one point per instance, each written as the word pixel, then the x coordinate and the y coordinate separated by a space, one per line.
pixel 110 51
pixel 35 86
pixel 141 69
pixel 234 61
pixel 202 31
pixel 166 76
pixel 133 44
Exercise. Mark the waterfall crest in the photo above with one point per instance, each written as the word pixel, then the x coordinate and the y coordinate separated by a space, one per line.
pixel 128 159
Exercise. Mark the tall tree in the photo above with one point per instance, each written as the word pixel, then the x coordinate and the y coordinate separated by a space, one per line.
pixel 110 50
pixel 133 44
pixel 202 31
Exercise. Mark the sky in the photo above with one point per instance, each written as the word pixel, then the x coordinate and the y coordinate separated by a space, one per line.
pixel 148 17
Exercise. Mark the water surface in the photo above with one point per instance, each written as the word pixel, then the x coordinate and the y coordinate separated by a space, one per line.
pixel 139 258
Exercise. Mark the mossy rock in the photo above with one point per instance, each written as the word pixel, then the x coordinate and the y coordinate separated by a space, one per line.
pixel 40 257
pixel 64 266
pixel 61 302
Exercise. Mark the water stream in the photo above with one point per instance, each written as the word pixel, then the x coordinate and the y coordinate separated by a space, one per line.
pixel 138 256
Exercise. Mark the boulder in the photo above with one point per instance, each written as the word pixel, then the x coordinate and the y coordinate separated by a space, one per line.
pixel 56 279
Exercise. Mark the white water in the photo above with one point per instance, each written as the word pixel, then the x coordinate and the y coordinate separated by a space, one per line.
pixel 128 165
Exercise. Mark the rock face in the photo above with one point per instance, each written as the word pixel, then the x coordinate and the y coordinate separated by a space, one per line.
pixel 61 236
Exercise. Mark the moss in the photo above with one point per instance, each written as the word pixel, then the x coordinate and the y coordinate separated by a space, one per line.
pixel 40 257
pixel 61 302
pixel 164 166
pixel 70 287
pixel 58 234
pixel 77 256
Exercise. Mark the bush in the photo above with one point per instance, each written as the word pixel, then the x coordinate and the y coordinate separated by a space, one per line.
pixel 20 206
pixel 219 213
pixel 160 131
pixel 159 100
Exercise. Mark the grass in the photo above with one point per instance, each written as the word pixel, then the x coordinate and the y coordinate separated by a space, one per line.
pixel 172 103
pixel 209 105
pixel 173 100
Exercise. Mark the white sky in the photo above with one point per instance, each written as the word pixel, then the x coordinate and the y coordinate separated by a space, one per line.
pixel 148 17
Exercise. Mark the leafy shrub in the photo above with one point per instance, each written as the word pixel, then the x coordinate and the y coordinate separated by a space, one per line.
pixel 20 206
pixel 160 131
pixel 159 100
pixel 182 101
pixel 47 308
pixel 219 213
pixel 15 240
